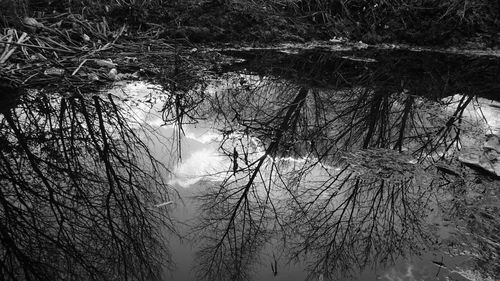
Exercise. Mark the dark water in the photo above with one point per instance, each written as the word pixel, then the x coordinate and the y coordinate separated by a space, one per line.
pixel 278 165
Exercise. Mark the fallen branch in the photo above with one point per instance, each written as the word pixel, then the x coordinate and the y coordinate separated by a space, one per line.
pixel 21 39
pixel 124 27
pixel 9 35
pixel 78 68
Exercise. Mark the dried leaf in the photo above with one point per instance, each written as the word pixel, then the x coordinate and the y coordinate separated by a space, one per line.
pixel 32 22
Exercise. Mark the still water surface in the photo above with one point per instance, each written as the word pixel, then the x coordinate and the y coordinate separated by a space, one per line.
pixel 303 165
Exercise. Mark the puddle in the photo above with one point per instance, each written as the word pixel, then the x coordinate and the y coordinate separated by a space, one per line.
pixel 293 165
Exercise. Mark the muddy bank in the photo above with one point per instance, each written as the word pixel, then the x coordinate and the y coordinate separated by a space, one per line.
pixel 471 24
pixel 474 24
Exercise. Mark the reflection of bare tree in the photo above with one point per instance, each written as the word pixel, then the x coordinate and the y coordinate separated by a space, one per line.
pixel 233 238
pixel 438 140
pixel 241 209
pixel 336 173
pixel 347 118
pixel 367 86
pixel 368 209
pixel 78 188
pixel 185 94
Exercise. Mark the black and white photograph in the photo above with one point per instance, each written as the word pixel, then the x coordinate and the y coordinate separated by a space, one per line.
pixel 249 140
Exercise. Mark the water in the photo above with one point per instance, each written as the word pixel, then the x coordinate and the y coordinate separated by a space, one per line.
pixel 311 164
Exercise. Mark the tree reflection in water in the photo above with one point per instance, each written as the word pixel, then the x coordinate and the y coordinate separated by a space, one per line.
pixel 78 192
pixel 334 162
pixel 342 176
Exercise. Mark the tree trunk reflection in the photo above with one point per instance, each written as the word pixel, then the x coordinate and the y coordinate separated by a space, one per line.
pixel 78 193
pixel 340 177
